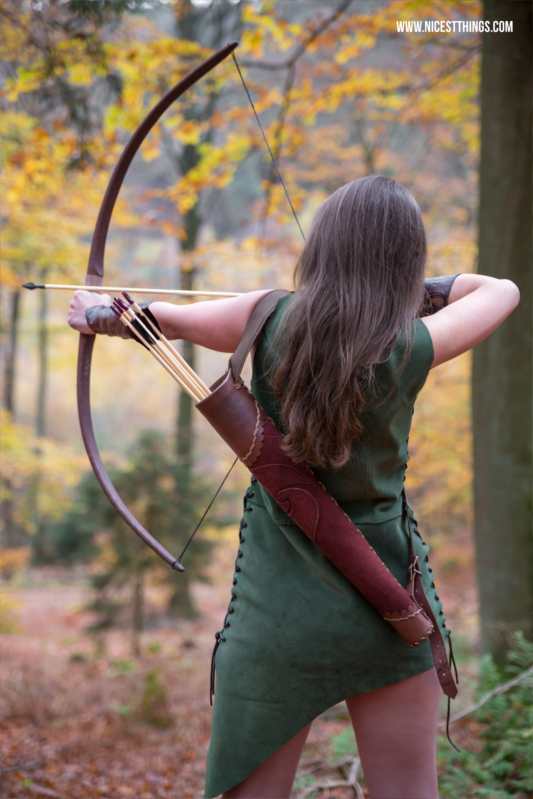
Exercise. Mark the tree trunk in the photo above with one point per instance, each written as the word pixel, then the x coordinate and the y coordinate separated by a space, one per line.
pixel 138 612
pixel 43 366
pixel 39 538
pixel 180 603
pixel 11 358
pixel 502 372
pixel 185 403
pixel 185 409
pixel 211 28
pixel 10 536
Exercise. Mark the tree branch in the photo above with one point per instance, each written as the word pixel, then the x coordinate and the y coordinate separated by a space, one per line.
pixel 300 50
pixel 500 689
pixel 431 83
pixel 276 150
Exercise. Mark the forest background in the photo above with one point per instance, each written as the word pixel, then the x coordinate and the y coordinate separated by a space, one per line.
pixel 95 625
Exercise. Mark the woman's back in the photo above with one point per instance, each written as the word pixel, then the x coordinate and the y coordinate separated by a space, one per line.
pixel 369 486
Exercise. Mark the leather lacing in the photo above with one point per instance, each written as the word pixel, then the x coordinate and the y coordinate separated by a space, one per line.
pixel 451 657
pixel 219 636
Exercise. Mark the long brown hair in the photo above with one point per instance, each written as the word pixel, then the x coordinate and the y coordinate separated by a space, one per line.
pixel 358 282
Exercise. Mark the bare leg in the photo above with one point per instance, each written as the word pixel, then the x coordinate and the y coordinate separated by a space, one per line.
pixel 396 730
pixel 273 779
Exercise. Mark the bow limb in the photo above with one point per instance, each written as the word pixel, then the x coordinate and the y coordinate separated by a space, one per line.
pixel 95 277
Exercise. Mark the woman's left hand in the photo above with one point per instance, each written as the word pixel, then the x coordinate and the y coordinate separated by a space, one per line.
pixel 79 304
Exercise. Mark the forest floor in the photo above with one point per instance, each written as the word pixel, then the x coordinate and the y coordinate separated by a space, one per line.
pixel 82 721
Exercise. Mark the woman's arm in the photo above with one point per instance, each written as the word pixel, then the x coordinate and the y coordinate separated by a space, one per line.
pixel 477 305
pixel 215 324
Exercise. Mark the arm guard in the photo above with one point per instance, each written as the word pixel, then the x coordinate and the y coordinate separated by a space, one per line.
pixel 436 294
pixel 101 319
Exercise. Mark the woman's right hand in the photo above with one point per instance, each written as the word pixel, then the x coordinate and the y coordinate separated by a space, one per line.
pixel 79 304
pixel 477 305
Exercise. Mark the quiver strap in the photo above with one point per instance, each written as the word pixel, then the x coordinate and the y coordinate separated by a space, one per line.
pixel 253 436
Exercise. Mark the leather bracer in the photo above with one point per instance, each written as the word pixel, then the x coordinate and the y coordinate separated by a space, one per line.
pixel 436 294
pixel 102 320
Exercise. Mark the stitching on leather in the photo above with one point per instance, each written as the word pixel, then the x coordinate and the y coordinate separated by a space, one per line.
pixel 259 443
pixel 424 638
pixel 254 437
pixel 403 618
pixel 286 467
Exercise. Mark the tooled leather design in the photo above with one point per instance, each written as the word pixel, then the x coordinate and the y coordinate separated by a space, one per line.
pixel 291 499
pixel 291 474
pixel 295 500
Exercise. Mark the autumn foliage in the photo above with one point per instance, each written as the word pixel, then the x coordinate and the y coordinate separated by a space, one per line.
pixel 340 94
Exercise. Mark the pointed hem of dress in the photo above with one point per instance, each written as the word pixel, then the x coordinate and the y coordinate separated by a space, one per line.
pixel 218 784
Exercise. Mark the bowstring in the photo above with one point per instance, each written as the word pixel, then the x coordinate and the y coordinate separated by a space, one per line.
pixel 267 144
pixel 207 509
pixel 303 237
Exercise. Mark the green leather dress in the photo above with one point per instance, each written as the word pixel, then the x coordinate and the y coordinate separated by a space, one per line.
pixel 298 637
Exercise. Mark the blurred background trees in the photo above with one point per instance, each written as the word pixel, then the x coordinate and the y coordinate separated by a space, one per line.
pixel 340 94
pixel 155 487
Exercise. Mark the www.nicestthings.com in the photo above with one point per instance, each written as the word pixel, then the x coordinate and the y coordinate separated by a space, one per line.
pixel 454 26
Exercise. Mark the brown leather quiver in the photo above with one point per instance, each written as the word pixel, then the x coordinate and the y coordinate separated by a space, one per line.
pixel 252 435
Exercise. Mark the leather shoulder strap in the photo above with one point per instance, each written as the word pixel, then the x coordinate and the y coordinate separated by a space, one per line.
pixel 263 309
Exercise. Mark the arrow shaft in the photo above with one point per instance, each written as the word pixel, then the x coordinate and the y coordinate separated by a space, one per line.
pixel 102 289
pixel 164 362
